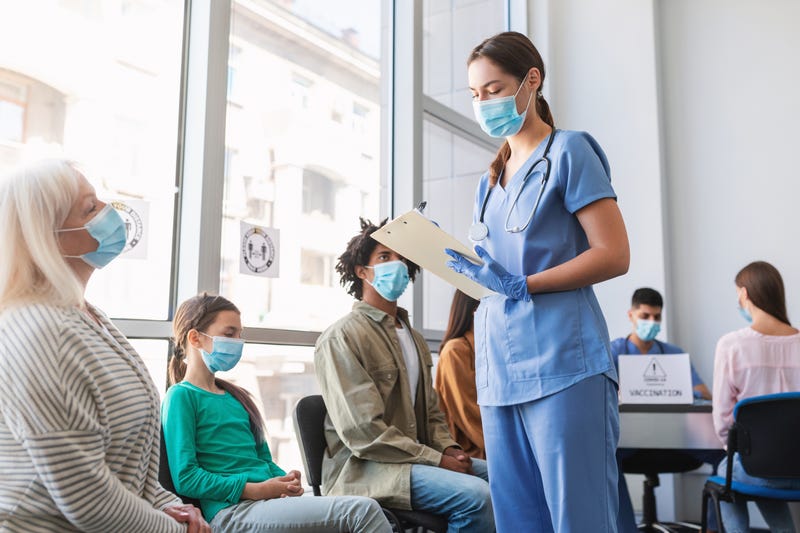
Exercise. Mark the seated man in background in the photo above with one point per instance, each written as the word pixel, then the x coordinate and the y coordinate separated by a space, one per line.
pixel 645 315
pixel 387 438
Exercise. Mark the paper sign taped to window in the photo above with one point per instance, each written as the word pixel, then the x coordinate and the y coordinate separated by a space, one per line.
pixel 259 251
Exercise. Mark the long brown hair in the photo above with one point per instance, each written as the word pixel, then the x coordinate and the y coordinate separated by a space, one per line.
pixel 515 54
pixel 764 286
pixel 198 313
pixel 462 312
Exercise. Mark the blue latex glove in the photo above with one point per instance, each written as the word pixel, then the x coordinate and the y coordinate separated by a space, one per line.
pixel 490 274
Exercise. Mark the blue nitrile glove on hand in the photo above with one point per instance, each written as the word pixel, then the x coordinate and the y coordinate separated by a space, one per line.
pixel 490 274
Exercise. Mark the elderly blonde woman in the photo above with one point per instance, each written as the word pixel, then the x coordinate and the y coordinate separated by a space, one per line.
pixel 79 414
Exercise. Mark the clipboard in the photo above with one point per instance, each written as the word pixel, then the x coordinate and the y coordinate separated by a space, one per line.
pixel 415 237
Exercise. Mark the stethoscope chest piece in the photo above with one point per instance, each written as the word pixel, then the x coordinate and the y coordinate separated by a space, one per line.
pixel 478 231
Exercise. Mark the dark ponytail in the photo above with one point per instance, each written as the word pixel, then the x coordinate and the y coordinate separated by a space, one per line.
pixel 198 313
pixel 514 53
pixel 764 286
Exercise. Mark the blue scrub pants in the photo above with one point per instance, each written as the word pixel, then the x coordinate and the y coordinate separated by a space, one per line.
pixel 552 460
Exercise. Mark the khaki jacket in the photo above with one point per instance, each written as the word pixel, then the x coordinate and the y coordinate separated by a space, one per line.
pixel 373 430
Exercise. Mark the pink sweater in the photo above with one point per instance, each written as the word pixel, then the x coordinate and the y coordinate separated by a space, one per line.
pixel 748 363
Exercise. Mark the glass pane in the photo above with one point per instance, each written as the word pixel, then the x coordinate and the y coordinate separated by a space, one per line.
pixel 452 167
pixel 154 353
pixel 451 29
pixel 99 82
pixel 277 377
pixel 302 151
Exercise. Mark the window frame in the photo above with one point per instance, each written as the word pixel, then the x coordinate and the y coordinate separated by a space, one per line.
pixel 201 145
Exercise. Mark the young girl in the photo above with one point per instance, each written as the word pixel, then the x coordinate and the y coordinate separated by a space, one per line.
pixel 215 439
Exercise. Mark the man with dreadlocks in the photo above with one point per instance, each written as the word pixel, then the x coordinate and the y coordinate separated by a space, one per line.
pixel 387 438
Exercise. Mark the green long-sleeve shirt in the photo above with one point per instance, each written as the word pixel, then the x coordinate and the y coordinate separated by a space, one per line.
pixel 211 449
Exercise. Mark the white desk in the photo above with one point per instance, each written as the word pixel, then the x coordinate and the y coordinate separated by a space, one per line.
pixel 676 427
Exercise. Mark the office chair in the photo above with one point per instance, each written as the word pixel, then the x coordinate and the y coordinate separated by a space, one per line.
pixel 764 433
pixel 165 477
pixel 651 463
pixel 309 424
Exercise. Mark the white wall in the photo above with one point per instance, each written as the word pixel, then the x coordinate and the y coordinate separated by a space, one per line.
pixel 694 102
pixel 601 74
pixel 731 112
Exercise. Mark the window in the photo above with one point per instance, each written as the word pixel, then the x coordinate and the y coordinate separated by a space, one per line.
pixel 316 268
pixel 452 166
pixel 451 29
pixel 319 194
pixel 455 151
pixel 306 62
pixel 300 90
pixel 93 89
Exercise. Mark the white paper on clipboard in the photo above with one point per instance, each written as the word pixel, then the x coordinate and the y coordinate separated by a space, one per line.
pixel 417 238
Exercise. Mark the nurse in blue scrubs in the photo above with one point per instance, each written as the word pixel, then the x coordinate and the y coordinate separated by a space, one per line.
pixel 547 226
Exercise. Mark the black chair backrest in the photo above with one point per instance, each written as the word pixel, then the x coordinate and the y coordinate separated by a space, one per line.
pixel 767 434
pixel 165 477
pixel 309 424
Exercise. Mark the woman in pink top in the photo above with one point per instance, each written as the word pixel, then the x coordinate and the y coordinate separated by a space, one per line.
pixel 761 359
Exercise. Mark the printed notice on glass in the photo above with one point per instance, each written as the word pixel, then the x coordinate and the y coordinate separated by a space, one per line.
pixel 134 214
pixel 655 379
pixel 259 251
pixel 415 237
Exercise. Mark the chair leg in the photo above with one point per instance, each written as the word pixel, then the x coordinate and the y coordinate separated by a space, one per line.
pixel 649 514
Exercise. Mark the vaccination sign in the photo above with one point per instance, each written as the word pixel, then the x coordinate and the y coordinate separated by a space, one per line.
pixel 258 251
pixel 655 379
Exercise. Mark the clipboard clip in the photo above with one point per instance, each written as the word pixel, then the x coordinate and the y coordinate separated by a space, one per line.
pixel 421 207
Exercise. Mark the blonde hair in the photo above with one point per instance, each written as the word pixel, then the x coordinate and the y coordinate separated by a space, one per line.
pixel 35 200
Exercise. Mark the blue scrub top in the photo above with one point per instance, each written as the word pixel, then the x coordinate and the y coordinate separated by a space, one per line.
pixel 528 350
pixel 623 346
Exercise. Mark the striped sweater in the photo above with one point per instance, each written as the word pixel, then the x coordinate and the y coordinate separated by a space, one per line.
pixel 79 427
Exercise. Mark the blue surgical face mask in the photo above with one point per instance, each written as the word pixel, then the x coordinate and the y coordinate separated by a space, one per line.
pixel 225 353
pixel 108 229
pixel 391 279
pixel 647 329
pixel 746 314
pixel 498 117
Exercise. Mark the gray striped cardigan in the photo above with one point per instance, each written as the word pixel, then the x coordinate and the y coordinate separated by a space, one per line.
pixel 79 427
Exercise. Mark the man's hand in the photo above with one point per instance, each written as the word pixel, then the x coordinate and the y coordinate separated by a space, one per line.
pixel 190 515
pixel 456 460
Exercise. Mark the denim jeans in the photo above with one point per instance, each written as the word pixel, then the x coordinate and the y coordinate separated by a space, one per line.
pixel 304 514
pixel 735 516
pixel 463 498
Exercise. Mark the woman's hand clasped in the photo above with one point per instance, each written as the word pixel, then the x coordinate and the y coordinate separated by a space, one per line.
pixel 189 515
pixel 490 274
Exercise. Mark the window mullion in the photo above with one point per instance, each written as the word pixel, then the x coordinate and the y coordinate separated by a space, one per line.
pixel 202 184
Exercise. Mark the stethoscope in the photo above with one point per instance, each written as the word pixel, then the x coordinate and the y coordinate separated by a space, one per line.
pixel 479 230
pixel 628 341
